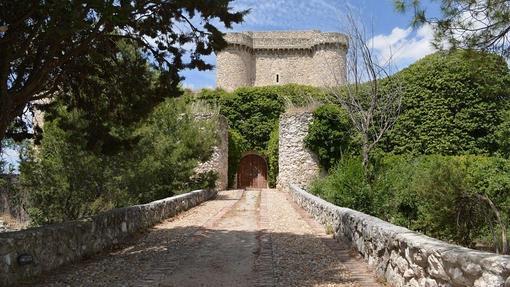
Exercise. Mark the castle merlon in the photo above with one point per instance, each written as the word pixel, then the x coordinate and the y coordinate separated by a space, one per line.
pixel 281 40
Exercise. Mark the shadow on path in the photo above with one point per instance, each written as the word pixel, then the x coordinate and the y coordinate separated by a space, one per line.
pixel 202 260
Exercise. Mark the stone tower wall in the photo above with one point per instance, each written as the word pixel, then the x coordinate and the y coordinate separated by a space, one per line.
pixel 330 66
pixel 290 66
pixel 296 163
pixel 235 68
pixel 277 58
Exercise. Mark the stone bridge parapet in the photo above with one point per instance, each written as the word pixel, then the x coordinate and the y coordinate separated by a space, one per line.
pixel 403 257
pixel 33 251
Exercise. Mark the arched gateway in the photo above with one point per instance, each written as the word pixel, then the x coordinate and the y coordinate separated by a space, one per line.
pixel 252 172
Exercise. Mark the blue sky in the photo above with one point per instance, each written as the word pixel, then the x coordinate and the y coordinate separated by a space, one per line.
pixel 391 31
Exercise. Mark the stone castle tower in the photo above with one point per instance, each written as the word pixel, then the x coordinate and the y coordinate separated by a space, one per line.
pixel 283 57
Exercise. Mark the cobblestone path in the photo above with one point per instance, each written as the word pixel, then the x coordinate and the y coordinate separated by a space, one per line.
pixel 242 238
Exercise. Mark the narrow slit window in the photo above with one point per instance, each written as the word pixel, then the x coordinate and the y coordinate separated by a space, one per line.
pixel 277 78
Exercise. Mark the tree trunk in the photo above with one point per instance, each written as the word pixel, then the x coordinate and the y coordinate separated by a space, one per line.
pixel 365 150
pixel 504 241
pixel 5 117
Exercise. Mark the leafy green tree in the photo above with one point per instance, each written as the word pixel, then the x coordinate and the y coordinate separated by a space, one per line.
pixel 42 41
pixel 453 103
pixel 96 152
pixel 66 180
pixel 114 94
pixel 171 145
pixel 483 25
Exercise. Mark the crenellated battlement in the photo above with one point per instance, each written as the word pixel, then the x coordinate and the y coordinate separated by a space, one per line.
pixel 241 39
pixel 287 40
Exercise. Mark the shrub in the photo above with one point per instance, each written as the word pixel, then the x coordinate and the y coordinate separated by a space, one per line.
pixel 446 197
pixel 331 135
pixel 446 209
pixel 346 186
pixel 429 194
pixel 171 145
pixel 391 180
pixel 452 104
pixel 64 179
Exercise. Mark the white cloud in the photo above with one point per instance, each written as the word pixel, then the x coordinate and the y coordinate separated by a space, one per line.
pixel 403 45
pixel 397 35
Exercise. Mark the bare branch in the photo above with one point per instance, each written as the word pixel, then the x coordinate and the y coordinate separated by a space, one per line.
pixel 372 96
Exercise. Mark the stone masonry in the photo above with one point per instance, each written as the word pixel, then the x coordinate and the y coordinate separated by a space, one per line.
pixel 283 57
pixel 296 163
pixel 219 159
pixel 403 257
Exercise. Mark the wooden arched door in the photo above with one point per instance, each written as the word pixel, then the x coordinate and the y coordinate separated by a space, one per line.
pixel 252 172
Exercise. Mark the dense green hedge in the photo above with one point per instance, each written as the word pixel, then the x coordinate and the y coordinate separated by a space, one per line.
pixel 436 195
pixel 453 103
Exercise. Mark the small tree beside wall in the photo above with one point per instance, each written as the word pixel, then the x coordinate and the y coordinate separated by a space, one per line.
pixel 372 97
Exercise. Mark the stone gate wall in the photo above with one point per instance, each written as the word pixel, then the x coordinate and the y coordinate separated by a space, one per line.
pixel 30 252
pixel 404 257
pixel 296 163
pixel 218 162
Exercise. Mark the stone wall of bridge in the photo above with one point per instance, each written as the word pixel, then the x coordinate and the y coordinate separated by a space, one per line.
pixel 32 251
pixel 403 257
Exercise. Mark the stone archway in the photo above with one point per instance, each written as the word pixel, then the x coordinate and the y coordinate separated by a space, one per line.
pixel 252 172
